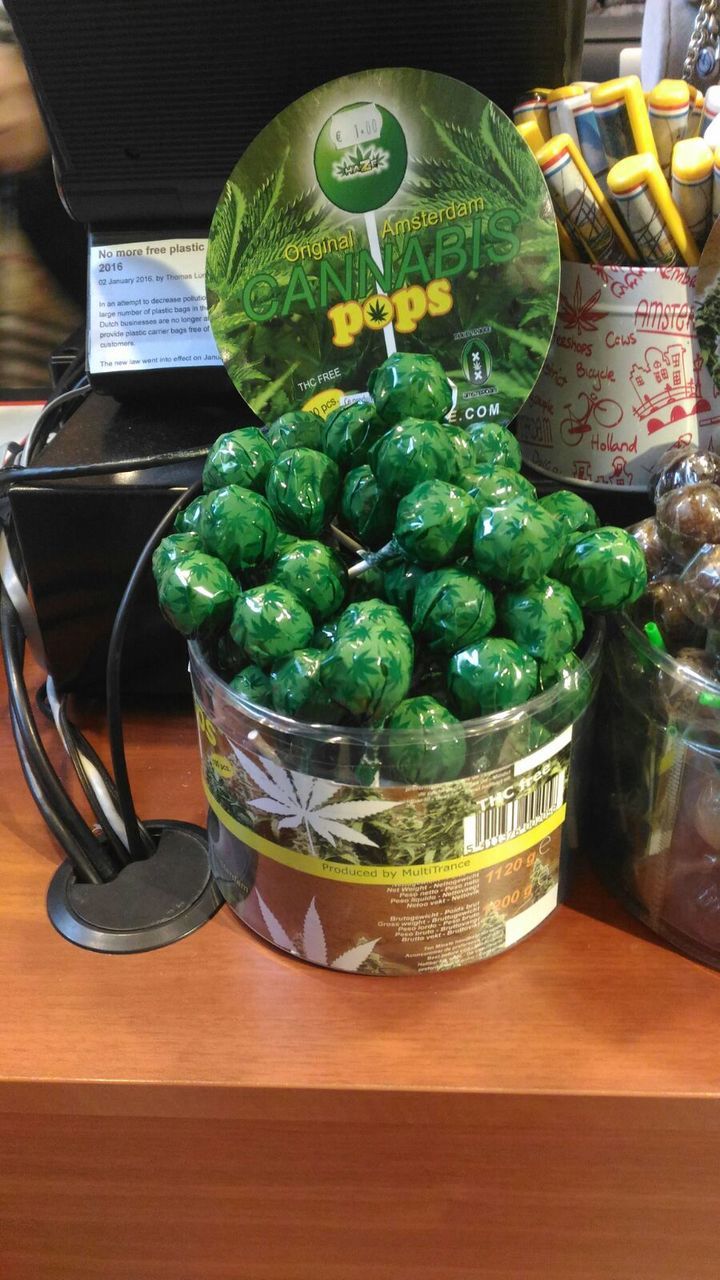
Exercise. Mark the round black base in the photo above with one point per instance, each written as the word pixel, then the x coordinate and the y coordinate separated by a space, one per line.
pixel 149 904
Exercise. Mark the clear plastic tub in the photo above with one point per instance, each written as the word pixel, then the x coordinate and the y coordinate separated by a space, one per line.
pixel 655 808
pixel 321 848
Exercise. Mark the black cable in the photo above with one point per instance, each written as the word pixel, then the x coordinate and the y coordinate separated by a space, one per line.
pixel 33 475
pixel 44 423
pixel 78 764
pixel 84 868
pixel 114 660
pixel 13 644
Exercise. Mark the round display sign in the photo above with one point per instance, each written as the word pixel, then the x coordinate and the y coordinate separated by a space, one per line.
pixel 391 210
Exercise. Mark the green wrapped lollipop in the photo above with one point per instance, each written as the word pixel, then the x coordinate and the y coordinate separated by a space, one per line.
pixel 492 485
pixel 494 675
pixel 303 488
pixel 400 582
pixel 368 670
pixel 295 430
pixel 197 594
pixel 365 509
pixel 238 527
pixel 543 618
pixel 172 548
pixel 437 752
pixel 269 622
pixel 452 610
pixel 239 457
pixel 516 542
pixel 254 684
pixel 463 446
pixel 189 520
pixel 367 585
pixel 494 443
pixel 574 513
pixel 297 691
pixel 434 523
pixel 408 385
pixel 349 433
pixel 376 614
pixel 604 568
pixel 316 575
pixel 413 451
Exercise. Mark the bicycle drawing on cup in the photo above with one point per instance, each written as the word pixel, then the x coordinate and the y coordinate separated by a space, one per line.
pixel 598 412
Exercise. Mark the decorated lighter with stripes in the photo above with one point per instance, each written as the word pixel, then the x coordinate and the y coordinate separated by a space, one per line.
pixel 660 234
pixel 580 205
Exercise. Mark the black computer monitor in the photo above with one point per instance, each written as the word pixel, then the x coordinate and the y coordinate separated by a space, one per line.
pixel 149 103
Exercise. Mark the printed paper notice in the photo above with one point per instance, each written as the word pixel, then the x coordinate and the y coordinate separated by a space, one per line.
pixel 147 307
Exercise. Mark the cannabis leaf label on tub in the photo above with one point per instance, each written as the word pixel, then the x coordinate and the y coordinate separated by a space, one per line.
pixel 311 944
pixel 297 799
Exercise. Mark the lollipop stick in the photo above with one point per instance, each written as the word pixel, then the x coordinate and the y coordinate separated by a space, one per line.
pixel 376 255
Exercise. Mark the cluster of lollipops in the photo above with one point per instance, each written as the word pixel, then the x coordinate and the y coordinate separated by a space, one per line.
pixel 388 567
pixel 680 610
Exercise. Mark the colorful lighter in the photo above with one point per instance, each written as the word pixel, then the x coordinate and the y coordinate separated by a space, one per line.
pixel 668 107
pixel 660 233
pixel 622 118
pixel 533 107
pixel 574 114
pixel 530 131
pixel 580 205
pixel 692 186
pixel 711 106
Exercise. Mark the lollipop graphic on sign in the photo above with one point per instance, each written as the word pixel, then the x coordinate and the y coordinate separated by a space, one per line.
pixel 360 161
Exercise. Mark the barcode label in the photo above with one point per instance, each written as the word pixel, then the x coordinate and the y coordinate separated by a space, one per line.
pixel 498 822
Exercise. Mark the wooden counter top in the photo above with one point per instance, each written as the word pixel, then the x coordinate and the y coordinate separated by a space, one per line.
pixel 264 1118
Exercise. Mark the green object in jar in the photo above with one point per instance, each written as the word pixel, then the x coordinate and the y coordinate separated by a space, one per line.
pixel 409 385
pixel 297 691
pixel 189 520
pixel 254 684
pixel 239 457
pixel 349 433
pixel 436 751
pixel 303 488
pixel 517 542
pixel 365 509
pixel 295 430
pixel 604 568
pixel 492 485
pixel 172 548
pixel 434 523
pixel 368 670
pixel 452 610
pixel 238 527
pixel 494 443
pixel 543 618
pixel 284 542
pixel 400 582
pixel 269 622
pixel 568 670
pixel 410 452
pixel 197 594
pixel 491 676
pixel 574 513
pixel 463 446
pixel 315 574
pixel 375 613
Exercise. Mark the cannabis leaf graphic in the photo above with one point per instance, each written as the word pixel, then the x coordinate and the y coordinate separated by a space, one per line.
pixel 297 799
pixel 378 312
pixel 312 945
pixel 579 314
